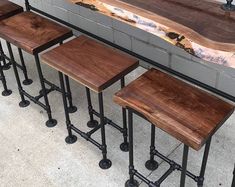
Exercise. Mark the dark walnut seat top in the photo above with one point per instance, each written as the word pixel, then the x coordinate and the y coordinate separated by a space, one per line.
pixel 32 33
pixel 8 9
pixel 90 63
pixel 183 111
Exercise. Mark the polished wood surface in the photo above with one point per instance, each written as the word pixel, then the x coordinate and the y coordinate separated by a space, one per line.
pixel 183 111
pixel 202 21
pixel 32 32
pixel 8 9
pixel 90 63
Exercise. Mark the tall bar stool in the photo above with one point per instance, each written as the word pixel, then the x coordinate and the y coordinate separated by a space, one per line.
pixel 190 115
pixel 8 9
pixel 96 67
pixel 33 34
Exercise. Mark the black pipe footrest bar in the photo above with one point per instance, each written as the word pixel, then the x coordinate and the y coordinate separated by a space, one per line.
pixel 93 130
pixel 175 165
pixel 141 177
pixel 165 175
pixel 109 122
pixel 41 94
pixel 19 66
pixel 6 65
pixel 36 99
pixel 57 88
pixel 33 99
pixel 86 137
pixel 10 63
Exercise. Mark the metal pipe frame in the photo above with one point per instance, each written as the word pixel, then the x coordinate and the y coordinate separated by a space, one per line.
pixel 6 91
pixel 105 163
pixel 50 122
pixel 27 81
pixel 91 123
pixel 108 121
pixel 71 138
pixel 44 91
pixel 5 65
pixel 123 146
pixel 151 165
pixel 23 102
pixel 94 124
pixel 156 64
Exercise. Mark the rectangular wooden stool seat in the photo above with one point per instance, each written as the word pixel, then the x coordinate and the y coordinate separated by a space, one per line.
pixel 90 63
pixel 185 112
pixel 8 9
pixel 32 32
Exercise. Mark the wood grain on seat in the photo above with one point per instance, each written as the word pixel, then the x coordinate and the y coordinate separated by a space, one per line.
pixel 185 112
pixel 90 63
pixel 32 32
pixel 8 9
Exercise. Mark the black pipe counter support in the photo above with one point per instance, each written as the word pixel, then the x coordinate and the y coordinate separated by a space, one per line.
pixel 228 6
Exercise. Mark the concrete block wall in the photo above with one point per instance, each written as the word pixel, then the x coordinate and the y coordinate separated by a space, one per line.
pixel 140 42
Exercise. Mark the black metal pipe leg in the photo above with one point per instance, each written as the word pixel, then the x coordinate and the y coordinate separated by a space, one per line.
pixel 131 182
pixel 233 183
pixel 184 166
pixel 26 81
pixel 71 107
pixel 50 122
pixel 6 91
pixel 125 145
pixel 92 123
pixel 5 65
pixel 204 162
pixel 152 164
pixel 23 102
pixel 70 139
pixel 104 163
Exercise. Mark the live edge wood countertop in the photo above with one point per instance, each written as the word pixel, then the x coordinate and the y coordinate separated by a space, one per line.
pixel 189 24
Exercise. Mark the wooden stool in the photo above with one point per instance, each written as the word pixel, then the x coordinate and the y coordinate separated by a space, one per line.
pixel 96 67
pixel 33 34
pixel 190 115
pixel 7 9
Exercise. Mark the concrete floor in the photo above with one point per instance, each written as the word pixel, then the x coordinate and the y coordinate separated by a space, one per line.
pixel 33 155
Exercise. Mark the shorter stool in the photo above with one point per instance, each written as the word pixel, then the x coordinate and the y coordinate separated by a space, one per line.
pixel 185 112
pixel 96 67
